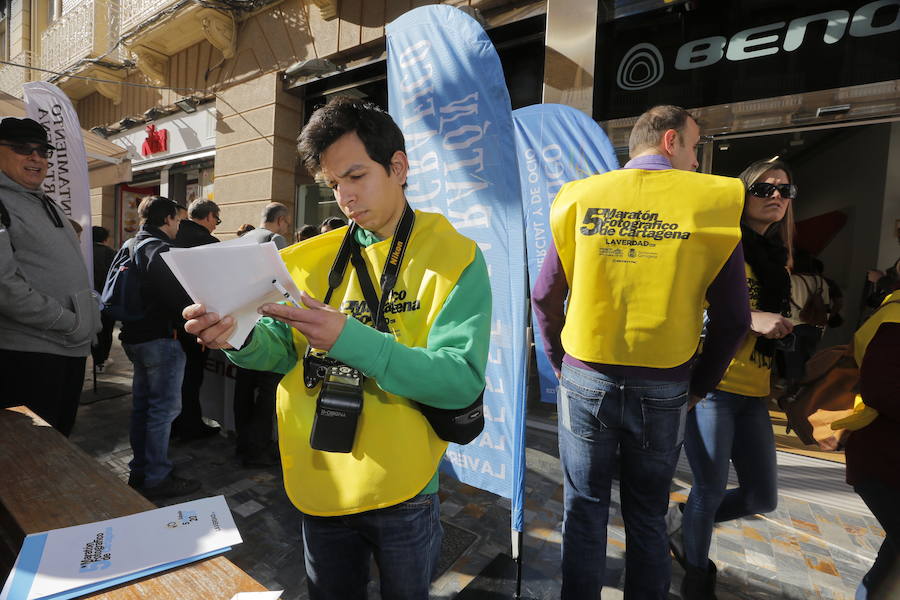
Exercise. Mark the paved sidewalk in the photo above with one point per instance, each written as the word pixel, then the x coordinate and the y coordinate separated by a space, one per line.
pixel 802 550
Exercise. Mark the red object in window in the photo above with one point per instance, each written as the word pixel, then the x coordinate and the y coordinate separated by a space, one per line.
pixel 157 141
pixel 815 233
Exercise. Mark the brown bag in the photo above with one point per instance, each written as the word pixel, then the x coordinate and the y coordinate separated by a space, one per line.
pixel 827 394
pixel 814 310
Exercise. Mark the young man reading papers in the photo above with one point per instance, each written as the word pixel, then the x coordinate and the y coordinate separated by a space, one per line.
pixel 370 487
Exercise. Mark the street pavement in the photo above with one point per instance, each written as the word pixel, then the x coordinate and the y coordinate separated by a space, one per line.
pixel 802 550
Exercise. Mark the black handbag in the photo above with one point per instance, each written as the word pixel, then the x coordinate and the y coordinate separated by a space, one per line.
pixel 461 425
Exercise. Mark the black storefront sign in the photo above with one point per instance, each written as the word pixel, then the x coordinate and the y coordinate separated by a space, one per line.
pixel 724 51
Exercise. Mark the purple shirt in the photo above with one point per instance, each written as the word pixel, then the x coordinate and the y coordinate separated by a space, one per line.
pixel 728 316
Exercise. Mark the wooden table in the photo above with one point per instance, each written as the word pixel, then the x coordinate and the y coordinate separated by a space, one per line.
pixel 46 482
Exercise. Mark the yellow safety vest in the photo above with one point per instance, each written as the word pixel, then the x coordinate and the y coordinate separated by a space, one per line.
pixel 889 312
pixel 396 452
pixel 639 249
pixel 748 374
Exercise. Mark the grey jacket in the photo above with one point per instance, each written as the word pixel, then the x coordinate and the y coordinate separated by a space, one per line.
pixel 263 235
pixel 46 301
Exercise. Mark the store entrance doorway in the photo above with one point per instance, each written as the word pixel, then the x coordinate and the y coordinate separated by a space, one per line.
pixel 846 213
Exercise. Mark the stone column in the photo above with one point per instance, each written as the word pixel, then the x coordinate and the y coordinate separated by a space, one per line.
pixel 256 157
pixel 103 210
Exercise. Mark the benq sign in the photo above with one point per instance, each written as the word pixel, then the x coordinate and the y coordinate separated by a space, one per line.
pixel 642 66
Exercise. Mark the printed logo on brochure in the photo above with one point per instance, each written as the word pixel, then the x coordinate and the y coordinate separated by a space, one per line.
pixel 97 553
pixel 183 519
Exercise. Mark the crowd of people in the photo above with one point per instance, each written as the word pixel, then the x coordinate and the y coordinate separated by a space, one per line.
pixel 667 299
pixel 167 383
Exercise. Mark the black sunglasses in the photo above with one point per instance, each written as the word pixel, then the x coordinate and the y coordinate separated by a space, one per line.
pixel 27 149
pixel 218 220
pixel 760 189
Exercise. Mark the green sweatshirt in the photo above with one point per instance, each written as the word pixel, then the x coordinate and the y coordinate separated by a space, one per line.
pixel 447 373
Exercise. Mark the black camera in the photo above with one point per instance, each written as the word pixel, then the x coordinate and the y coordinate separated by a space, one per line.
pixel 338 405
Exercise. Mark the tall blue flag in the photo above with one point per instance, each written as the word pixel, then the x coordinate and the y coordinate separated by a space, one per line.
pixel 555 144
pixel 447 92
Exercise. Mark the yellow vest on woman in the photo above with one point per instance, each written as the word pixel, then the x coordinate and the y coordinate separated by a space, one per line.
pixel 889 312
pixel 749 372
pixel 396 452
pixel 639 249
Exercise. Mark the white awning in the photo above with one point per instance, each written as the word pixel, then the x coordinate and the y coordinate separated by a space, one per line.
pixel 108 163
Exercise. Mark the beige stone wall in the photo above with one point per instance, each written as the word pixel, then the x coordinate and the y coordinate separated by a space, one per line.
pixel 19 27
pixel 268 42
pixel 255 150
pixel 103 208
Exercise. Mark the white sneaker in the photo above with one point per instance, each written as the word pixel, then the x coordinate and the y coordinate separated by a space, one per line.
pixel 674 517
pixel 673 529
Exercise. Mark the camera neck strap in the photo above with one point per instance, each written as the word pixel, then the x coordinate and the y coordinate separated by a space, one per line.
pixel 350 252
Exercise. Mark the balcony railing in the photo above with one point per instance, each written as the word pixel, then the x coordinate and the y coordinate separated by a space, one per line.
pixel 88 30
pixel 12 78
pixel 135 12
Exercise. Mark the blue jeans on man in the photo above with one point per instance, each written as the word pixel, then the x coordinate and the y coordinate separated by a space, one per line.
pixel 643 421
pixel 405 540
pixel 726 428
pixel 156 397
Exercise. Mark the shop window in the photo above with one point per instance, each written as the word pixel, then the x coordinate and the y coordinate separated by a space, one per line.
pixel 315 203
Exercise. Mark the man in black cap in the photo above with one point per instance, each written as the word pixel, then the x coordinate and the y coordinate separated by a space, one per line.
pixel 48 315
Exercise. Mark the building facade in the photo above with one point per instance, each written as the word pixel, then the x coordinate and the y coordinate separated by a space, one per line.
pixel 217 92
pixel 231 82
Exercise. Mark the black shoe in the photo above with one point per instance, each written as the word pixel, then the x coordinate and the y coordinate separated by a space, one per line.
pixel 261 460
pixel 699 584
pixel 135 480
pixel 170 487
pixel 202 432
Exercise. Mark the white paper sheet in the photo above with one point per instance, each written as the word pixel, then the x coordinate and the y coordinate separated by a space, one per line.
pixel 257 595
pixel 87 557
pixel 232 279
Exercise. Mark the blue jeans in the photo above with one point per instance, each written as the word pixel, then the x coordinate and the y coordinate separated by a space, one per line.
pixel 727 427
pixel 156 397
pixel 405 540
pixel 643 421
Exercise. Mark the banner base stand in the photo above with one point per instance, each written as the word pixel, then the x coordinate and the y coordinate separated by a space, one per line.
pixel 497 580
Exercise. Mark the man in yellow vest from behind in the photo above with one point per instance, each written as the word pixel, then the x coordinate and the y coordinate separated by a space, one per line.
pixel 377 494
pixel 637 253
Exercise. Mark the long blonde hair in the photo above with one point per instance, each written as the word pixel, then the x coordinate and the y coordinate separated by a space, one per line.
pixel 785 229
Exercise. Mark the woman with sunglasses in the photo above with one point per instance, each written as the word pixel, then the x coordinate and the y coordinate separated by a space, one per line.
pixel 731 424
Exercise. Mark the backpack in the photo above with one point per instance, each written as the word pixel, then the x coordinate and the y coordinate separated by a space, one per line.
pixel 121 295
pixel 815 311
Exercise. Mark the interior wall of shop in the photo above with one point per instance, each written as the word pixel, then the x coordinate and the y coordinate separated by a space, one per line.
pixel 850 175
pixel 889 244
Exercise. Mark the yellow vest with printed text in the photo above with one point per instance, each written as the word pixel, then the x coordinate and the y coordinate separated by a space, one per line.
pixel 749 372
pixel 396 452
pixel 639 249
